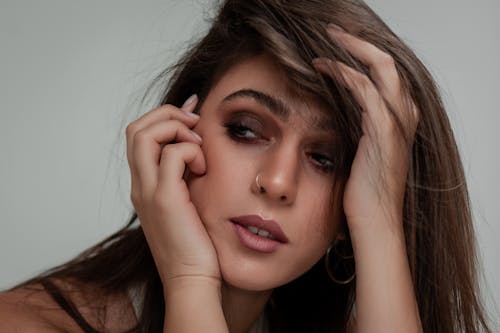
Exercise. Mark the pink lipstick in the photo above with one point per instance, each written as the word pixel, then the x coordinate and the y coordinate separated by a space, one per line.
pixel 258 234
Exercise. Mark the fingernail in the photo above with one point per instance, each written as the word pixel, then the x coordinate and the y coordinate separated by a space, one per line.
pixel 190 100
pixel 197 137
pixel 192 115
pixel 335 27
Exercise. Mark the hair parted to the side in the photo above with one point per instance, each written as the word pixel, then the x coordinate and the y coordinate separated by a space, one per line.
pixel 437 218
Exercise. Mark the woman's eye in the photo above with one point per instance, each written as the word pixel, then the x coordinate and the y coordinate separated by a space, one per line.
pixel 241 132
pixel 323 162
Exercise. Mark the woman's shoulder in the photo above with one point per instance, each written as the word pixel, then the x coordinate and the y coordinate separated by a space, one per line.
pixel 32 309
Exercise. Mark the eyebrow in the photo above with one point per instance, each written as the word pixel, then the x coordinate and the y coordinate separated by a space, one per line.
pixel 275 106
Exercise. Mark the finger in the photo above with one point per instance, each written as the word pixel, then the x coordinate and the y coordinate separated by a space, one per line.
pixel 381 65
pixel 148 144
pixel 165 112
pixel 174 159
pixel 361 87
pixel 168 111
pixel 384 74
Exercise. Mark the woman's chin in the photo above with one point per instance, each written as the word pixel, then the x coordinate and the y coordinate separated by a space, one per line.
pixel 253 278
pixel 248 284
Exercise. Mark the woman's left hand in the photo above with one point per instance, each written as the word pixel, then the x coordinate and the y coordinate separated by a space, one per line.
pixel 374 193
pixel 376 184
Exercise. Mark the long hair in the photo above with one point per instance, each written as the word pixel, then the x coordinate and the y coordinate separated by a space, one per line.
pixel 437 218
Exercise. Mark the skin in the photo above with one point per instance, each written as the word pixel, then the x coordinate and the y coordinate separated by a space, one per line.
pixel 204 260
pixel 280 152
pixel 288 155
pixel 203 268
pixel 374 193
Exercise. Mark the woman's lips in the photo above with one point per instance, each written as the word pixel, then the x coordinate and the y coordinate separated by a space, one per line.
pixel 257 222
pixel 269 236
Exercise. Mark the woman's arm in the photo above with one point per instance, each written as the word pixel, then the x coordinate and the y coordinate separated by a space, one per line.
pixel 160 145
pixel 194 305
pixel 374 193
pixel 385 299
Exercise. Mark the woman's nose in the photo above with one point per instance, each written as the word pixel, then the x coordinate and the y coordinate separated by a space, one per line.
pixel 277 178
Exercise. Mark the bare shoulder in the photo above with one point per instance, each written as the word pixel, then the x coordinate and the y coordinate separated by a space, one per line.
pixel 28 309
pixel 32 309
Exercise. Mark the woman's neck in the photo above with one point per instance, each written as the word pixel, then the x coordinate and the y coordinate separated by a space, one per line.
pixel 242 307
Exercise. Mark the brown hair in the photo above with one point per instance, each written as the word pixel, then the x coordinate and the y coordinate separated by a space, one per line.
pixel 437 218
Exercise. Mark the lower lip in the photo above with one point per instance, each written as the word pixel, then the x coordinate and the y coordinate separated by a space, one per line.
pixel 255 242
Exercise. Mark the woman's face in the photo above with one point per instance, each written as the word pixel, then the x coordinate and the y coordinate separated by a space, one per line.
pixel 251 126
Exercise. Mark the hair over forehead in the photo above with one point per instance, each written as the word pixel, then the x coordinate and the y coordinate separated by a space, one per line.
pixel 292 33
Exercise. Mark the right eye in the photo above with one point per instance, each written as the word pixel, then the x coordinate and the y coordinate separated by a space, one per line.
pixel 242 132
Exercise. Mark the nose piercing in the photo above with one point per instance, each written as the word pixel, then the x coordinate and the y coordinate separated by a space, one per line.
pixel 261 189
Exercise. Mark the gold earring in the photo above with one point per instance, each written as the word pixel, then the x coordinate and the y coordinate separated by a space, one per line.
pixel 341 258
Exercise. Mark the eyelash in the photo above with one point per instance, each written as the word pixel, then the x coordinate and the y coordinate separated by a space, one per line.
pixel 236 128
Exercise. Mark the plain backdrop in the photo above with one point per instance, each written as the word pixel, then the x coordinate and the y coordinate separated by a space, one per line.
pixel 72 74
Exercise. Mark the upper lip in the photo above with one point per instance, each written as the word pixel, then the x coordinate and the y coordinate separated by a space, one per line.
pixel 256 221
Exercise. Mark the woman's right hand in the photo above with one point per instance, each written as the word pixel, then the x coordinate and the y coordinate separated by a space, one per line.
pixel 160 145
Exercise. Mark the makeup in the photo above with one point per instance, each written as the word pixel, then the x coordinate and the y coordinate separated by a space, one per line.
pixel 258 234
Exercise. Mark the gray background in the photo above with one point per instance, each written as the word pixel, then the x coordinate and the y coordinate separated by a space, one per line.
pixel 72 74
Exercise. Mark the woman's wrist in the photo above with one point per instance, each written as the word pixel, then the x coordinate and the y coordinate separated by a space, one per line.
pixel 186 285
pixel 194 295
pixel 386 224
pixel 385 299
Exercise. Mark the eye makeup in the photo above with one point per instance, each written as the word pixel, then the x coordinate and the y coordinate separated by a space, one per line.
pixel 245 127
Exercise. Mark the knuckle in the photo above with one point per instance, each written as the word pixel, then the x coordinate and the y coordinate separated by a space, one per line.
pixel 415 117
pixel 385 60
pixel 363 82
pixel 177 124
pixel 170 108
pixel 130 130
pixel 168 150
pixel 141 137
pixel 178 148
pixel 172 112
pixel 387 65
pixel 173 125
pixel 415 113
pixel 168 111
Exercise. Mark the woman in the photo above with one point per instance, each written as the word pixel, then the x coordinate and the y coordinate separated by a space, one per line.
pixel 310 183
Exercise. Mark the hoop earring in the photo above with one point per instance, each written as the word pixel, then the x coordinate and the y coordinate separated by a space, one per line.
pixel 331 271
